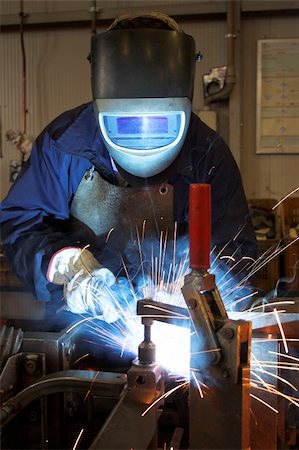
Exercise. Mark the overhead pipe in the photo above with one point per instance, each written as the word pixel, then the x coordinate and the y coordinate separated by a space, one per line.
pixel 93 12
pixel 230 78
pixel 24 92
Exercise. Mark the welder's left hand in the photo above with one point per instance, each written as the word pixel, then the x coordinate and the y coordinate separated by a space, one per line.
pixel 87 284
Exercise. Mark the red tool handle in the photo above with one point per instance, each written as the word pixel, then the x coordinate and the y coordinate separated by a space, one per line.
pixel 200 226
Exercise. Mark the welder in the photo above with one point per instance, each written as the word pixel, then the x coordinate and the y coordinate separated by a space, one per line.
pixel 95 170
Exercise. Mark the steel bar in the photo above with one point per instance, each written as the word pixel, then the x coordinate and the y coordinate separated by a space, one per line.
pixel 103 384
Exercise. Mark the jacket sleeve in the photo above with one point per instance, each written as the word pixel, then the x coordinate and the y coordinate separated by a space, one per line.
pixel 35 212
pixel 213 163
pixel 233 241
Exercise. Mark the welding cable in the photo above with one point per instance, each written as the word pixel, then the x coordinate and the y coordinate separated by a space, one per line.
pixel 103 384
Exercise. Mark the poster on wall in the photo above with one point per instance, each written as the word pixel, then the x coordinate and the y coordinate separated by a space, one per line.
pixel 277 112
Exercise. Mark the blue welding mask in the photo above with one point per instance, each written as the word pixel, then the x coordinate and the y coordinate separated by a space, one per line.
pixel 142 85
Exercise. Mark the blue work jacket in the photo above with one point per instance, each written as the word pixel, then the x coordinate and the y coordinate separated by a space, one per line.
pixel 36 211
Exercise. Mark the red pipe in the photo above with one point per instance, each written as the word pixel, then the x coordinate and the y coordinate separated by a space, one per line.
pixel 200 226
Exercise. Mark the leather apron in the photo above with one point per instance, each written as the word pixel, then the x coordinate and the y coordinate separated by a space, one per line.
pixel 110 217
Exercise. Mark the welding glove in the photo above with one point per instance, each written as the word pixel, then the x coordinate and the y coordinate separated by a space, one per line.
pixel 87 284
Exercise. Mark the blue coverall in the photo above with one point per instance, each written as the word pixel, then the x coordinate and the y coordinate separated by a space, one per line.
pixel 35 213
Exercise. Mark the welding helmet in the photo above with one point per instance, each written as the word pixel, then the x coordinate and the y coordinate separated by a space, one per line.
pixel 142 71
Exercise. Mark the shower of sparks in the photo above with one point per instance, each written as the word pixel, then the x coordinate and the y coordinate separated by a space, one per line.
pixel 271 389
pixel 277 365
pixel 91 385
pixel 165 395
pixel 161 280
pixel 258 315
pixel 81 358
pixel 254 417
pixel 256 361
pixel 264 403
pixel 270 339
pixel 197 382
pixel 283 355
pixel 281 303
pixel 206 351
pixel 108 235
pixel 266 372
pixel 281 331
pixel 78 439
pixel 284 198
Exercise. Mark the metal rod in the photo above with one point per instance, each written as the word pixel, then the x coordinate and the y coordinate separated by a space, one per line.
pixel 80 381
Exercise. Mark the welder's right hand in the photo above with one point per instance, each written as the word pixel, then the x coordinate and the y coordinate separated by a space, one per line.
pixel 86 283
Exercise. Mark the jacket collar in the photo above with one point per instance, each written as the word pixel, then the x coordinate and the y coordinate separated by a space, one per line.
pixel 82 139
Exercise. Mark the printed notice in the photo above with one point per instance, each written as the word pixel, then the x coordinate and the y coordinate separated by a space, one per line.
pixel 278 96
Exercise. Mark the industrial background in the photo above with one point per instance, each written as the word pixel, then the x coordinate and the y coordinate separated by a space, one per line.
pixel 57 40
pixel 44 71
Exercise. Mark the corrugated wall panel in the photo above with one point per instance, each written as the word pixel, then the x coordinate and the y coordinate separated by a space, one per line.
pixel 264 176
pixel 58 73
pixel 58 79
pixel 10 94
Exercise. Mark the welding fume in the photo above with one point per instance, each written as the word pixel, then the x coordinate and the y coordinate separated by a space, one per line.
pixel 111 175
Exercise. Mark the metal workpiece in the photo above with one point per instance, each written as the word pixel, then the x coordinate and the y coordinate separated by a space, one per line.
pixel 128 427
pixel 221 419
pixel 103 384
pixel 133 423
pixel 58 347
pixel 145 383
